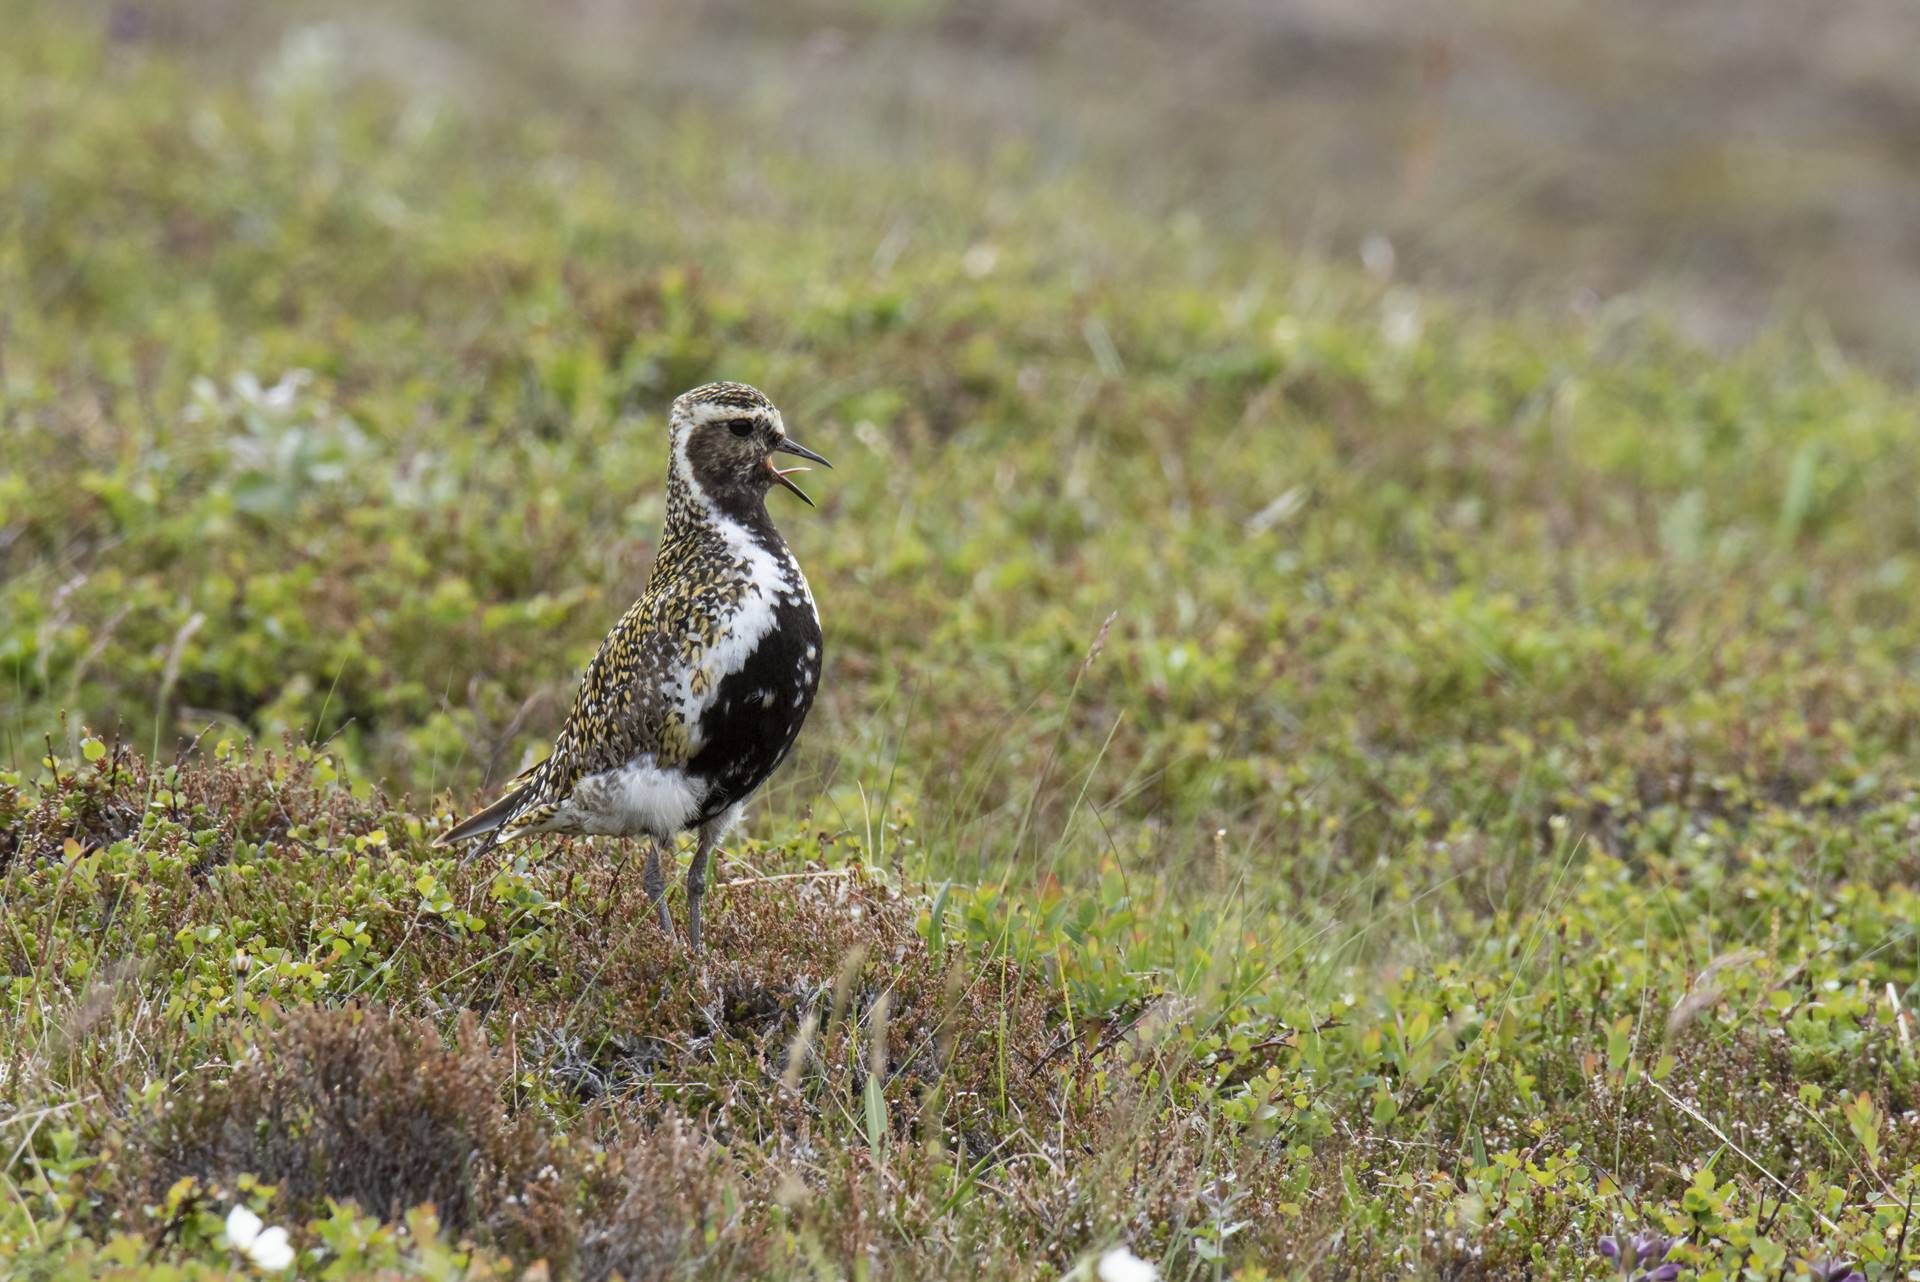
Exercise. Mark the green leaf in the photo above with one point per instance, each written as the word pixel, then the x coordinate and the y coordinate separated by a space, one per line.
pixel 876 1102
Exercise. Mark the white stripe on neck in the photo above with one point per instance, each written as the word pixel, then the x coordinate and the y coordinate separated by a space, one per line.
pixel 772 580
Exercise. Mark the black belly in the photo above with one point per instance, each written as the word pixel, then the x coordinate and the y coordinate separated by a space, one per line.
pixel 757 712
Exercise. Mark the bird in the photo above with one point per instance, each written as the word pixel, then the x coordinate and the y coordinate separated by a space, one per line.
pixel 699 691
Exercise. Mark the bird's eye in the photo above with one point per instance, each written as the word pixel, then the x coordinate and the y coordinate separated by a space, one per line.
pixel 740 426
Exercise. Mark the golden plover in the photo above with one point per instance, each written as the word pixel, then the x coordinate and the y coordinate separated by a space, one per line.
pixel 701 688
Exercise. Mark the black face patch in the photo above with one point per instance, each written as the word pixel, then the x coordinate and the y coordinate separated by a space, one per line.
pixel 731 468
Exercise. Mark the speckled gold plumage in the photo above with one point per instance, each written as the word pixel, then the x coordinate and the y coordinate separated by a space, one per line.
pixel 620 710
pixel 699 691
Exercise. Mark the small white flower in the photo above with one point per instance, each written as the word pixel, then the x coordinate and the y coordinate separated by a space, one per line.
pixel 1122 1265
pixel 267 1248
pixel 1377 256
pixel 1400 323
pixel 978 262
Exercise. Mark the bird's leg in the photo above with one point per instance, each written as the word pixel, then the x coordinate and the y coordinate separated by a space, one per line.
pixel 654 878
pixel 697 885
pixel 706 842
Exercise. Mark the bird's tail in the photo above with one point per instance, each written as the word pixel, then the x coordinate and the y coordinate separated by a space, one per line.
pixel 485 821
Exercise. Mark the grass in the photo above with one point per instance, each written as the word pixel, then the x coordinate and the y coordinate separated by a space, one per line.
pixel 1310 781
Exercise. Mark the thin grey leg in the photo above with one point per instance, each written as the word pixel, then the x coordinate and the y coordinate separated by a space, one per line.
pixel 697 885
pixel 696 889
pixel 710 834
pixel 654 878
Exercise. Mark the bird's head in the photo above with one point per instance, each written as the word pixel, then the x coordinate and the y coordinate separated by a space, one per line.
pixel 724 438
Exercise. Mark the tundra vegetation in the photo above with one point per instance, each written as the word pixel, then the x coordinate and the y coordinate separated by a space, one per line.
pixel 1312 779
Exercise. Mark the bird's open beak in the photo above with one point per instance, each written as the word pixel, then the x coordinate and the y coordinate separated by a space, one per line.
pixel 786 446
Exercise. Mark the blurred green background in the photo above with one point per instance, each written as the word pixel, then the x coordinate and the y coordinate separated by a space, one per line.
pixel 333 334
pixel 1742 165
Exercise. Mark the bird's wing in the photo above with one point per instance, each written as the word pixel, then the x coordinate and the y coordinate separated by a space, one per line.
pixel 627 704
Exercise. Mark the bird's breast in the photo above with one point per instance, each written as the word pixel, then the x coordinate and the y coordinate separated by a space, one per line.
pixel 757 708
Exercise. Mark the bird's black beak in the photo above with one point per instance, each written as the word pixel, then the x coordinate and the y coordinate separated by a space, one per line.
pixel 786 446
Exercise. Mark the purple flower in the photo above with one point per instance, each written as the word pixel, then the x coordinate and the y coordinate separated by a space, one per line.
pixel 1643 1257
pixel 1834 1271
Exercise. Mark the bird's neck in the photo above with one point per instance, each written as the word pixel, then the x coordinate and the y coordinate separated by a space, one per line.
pixel 696 519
